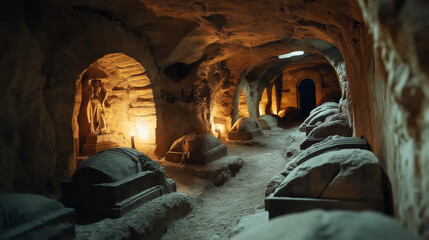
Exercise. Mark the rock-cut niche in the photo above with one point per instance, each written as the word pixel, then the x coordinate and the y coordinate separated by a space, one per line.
pixel 114 100
pixel 307 97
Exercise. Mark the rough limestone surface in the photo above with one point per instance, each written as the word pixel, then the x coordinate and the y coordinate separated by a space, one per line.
pixel 333 225
pixel 330 128
pixel 194 143
pixel 322 115
pixel 145 222
pixel 324 106
pixel 345 174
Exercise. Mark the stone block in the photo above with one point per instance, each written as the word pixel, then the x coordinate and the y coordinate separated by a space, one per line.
pixel 331 128
pixel 350 175
pixel 277 206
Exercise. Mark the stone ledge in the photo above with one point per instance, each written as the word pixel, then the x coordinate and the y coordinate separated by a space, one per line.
pixel 277 206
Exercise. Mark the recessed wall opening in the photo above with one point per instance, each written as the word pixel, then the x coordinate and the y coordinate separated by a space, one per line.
pixel 306 97
pixel 113 99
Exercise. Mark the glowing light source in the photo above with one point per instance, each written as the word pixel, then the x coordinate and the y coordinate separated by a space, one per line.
pixel 142 131
pixel 132 134
pixel 218 130
pixel 291 54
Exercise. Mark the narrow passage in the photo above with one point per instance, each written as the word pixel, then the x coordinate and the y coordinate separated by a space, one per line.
pixel 216 210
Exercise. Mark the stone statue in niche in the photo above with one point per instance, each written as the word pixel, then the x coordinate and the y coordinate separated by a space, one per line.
pixel 95 109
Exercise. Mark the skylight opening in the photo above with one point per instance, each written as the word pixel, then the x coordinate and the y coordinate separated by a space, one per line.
pixel 291 54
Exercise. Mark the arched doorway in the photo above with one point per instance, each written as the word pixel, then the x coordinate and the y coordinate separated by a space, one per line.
pixel 128 107
pixel 307 97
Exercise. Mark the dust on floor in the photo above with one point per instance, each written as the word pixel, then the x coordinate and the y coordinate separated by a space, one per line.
pixel 216 210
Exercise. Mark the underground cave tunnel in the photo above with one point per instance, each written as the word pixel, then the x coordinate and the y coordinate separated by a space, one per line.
pixel 145 119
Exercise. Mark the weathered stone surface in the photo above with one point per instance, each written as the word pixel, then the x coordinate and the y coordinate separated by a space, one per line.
pixel 218 171
pixel 245 129
pixel 337 117
pixel 322 115
pixel 148 221
pixel 316 112
pixel 331 143
pixel 348 174
pixel 334 225
pixel 331 128
pixel 196 149
pixel 274 183
pixel 267 122
pixel 27 216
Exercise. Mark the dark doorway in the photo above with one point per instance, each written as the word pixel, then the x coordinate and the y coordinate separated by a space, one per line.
pixel 307 97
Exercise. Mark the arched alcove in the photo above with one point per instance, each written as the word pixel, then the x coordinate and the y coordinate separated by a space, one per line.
pixel 128 105
pixel 306 96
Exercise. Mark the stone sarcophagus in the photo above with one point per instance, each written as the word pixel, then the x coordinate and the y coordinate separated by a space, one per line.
pixel 115 181
pixel 245 129
pixel 28 216
pixel 350 179
pixel 196 149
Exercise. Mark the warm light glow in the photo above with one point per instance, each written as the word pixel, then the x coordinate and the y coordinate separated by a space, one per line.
pixel 218 128
pixel 142 131
pixel 132 134
pixel 291 54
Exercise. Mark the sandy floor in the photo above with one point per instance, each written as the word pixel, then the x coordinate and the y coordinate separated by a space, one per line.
pixel 218 209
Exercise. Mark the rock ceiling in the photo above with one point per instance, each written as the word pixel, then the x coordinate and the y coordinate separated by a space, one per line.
pixel 243 33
